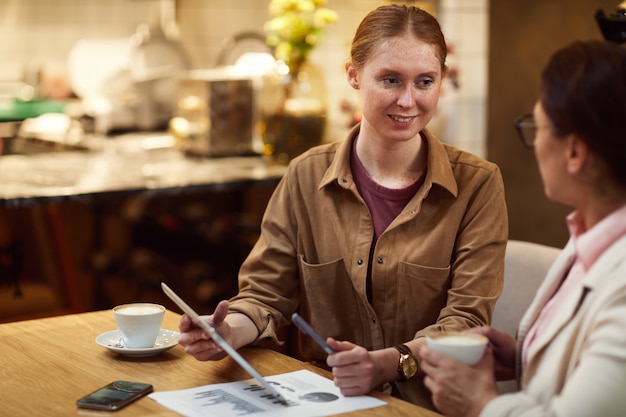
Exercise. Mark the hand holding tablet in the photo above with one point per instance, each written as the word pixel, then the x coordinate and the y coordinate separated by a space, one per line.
pixel 220 341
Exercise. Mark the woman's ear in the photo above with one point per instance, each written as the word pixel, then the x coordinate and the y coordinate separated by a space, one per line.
pixel 351 75
pixel 577 154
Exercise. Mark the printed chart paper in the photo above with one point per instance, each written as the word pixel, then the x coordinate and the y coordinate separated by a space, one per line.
pixel 307 394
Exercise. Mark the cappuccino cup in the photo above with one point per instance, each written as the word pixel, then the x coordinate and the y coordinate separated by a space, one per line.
pixel 464 347
pixel 139 323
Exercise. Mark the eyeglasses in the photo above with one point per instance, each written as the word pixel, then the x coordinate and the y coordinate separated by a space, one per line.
pixel 527 130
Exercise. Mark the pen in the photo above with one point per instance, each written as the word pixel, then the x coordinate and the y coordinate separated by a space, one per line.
pixel 308 330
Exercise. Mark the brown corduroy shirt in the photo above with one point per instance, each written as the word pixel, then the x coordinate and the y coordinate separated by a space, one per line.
pixel 439 265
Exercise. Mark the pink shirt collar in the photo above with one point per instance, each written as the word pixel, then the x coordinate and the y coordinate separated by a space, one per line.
pixel 590 244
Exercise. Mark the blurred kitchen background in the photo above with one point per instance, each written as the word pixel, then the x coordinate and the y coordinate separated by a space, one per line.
pixel 58 49
pixel 50 41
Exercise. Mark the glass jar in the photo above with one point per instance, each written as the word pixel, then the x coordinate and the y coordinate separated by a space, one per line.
pixel 293 111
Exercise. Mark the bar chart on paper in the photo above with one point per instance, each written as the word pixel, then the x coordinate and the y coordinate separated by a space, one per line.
pixel 307 395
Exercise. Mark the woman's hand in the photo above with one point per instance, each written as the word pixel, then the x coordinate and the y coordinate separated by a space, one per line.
pixel 459 390
pixel 504 348
pixel 197 342
pixel 355 370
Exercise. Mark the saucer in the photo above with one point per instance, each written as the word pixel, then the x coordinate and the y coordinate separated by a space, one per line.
pixel 166 339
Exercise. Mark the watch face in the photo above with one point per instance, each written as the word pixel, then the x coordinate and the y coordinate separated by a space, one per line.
pixel 409 367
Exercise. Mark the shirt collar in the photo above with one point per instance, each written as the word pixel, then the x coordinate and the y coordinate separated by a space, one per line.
pixel 439 170
pixel 590 244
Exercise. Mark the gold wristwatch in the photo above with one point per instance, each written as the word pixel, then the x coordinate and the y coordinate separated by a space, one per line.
pixel 407 365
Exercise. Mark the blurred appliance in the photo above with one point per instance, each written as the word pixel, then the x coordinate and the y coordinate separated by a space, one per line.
pixel 127 84
pixel 613 25
pixel 218 110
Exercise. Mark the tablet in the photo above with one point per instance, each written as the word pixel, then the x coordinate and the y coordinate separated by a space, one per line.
pixel 210 330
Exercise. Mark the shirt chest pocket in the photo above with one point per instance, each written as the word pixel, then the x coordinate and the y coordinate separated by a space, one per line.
pixel 328 294
pixel 422 287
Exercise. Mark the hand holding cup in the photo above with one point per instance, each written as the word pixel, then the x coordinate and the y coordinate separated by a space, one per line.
pixel 464 347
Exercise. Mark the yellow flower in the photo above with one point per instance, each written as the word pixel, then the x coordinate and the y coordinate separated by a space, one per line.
pixel 295 28
pixel 323 17
pixel 306 6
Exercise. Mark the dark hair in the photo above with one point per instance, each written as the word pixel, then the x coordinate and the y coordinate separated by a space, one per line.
pixel 584 92
pixel 394 20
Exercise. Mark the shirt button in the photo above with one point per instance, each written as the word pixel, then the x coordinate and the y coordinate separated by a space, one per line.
pixel 379 260
pixel 413 211
pixel 360 261
pixel 373 319
pixel 344 180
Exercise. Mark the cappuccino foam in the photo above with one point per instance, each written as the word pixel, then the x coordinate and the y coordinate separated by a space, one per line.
pixel 460 340
pixel 138 310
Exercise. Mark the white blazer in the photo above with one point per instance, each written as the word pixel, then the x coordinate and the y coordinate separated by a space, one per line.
pixel 579 368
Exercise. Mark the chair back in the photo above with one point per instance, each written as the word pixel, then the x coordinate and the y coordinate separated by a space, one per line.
pixel 525 266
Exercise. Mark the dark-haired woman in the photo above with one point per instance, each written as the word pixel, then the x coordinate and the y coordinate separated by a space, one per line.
pixel 571 346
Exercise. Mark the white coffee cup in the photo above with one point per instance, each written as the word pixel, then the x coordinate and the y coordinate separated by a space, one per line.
pixel 139 323
pixel 465 347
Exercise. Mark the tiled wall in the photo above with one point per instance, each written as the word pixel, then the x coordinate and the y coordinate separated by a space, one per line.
pixel 42 32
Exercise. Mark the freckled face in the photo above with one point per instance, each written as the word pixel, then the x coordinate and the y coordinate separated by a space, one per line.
pixel 399 85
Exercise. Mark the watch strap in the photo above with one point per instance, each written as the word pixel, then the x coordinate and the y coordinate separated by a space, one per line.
pixel 403 349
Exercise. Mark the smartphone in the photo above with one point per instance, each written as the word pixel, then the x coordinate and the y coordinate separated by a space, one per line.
pixel 308 330
pixel 115 395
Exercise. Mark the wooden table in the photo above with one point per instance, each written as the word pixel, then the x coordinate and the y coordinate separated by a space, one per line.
pixel 47 364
